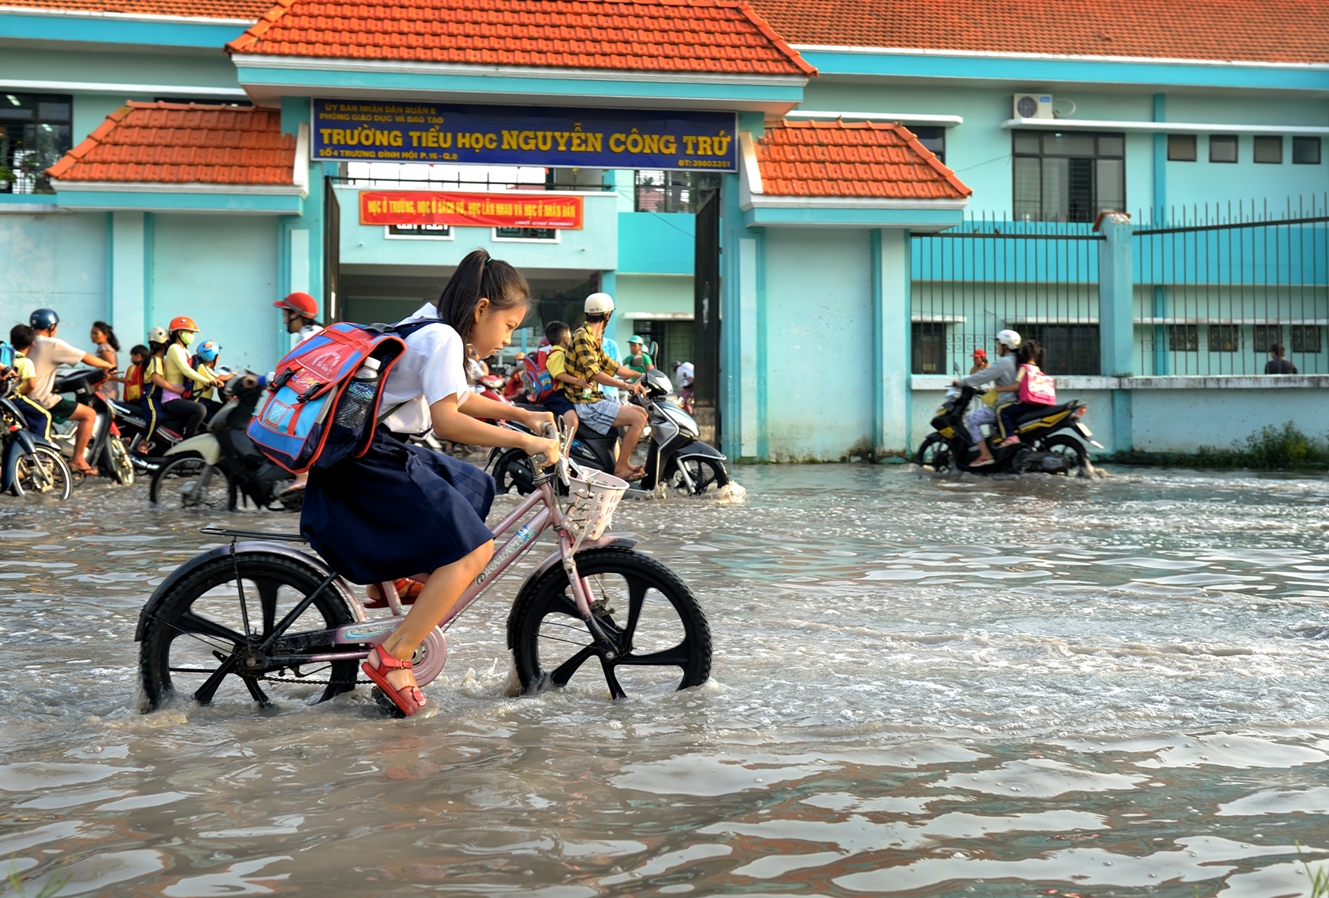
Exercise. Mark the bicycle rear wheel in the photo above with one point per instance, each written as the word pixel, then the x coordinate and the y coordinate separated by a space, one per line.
pixel 663 642
pixel 202 641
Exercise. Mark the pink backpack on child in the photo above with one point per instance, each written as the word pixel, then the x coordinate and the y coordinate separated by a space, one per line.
pixel 1036 387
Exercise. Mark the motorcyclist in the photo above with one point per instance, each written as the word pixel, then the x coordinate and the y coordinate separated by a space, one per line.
pixel 1001 373
pixel 299 311
pixel 177 372
pixel 46 354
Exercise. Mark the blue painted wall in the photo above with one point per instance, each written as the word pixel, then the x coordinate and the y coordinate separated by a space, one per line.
pixel 818 343
pixel 656 242
pixel 195 273
pixel 53 261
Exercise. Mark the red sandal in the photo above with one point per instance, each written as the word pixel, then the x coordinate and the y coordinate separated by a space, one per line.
pixel 408 591
pixel 405 700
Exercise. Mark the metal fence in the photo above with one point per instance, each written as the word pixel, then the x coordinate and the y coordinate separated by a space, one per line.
pixel 1217 288
pixel 1039 278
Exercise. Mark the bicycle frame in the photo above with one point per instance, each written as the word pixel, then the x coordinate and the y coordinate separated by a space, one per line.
pixel 549 515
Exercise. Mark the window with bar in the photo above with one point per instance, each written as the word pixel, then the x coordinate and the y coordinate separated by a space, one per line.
pixel 1266 335
pixel 1183 337
pixel 673 191
pixel 933 139
pixel 1181 148
pixel 928 343
pixel 35 131
pixel 1305 151
pixel 1224 338
pixel 1069 176
pixel 549 234
pixel 1306 337
pixel 1067 348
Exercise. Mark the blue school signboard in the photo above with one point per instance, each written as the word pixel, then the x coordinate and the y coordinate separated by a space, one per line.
pixel 407 131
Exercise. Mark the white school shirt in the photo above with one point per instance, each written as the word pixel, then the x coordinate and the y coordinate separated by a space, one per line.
pixel 432 368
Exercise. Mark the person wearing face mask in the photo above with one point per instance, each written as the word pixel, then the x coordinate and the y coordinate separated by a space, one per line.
pixel 177 370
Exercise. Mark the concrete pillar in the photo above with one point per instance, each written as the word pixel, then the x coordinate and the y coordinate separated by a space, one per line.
pixel 749 422
pixel 129 276
pixel 891 335
pixel 1160 214
pixel 1116 324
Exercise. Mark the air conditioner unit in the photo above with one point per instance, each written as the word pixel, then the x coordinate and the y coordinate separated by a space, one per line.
pixel 1032 106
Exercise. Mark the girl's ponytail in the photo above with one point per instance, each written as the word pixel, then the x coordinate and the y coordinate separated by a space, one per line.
pixel 480 277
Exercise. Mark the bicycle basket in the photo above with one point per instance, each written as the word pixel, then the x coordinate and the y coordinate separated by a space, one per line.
pixel 594 498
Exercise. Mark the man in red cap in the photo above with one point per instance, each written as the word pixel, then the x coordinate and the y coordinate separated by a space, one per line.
pixel 300 310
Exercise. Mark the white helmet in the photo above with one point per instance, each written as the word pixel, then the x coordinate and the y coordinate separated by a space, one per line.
pixel 599 304
pixel 158 335
pixel 1009 339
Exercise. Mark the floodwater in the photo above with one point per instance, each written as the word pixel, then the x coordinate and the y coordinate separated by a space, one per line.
pixel 921 687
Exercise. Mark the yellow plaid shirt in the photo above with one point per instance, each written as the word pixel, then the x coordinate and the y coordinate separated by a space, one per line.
pixel 586 357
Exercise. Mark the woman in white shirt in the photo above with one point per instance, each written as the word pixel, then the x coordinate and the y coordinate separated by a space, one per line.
pixel 402 510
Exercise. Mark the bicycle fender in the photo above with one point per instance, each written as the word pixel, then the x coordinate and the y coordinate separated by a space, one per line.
pixel 317 564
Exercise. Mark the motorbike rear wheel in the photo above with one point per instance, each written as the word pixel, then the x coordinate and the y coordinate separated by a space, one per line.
pixel 179 483
pixel 1069 448
pixel 935 455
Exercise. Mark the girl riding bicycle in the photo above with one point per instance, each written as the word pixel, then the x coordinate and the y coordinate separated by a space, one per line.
pixel 401 509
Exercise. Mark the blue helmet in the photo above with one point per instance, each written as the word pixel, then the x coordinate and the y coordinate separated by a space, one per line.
pixel 208 351
pixel 43 319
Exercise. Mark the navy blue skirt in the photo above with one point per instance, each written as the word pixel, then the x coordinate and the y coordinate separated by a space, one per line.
pixel 397 511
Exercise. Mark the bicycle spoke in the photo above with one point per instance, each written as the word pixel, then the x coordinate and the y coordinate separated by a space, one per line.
pixel 636 597
pixel 205 692
pixel 194 625
pixel 257 692
pixel 677 656
pixel 615 690
pixel 570 666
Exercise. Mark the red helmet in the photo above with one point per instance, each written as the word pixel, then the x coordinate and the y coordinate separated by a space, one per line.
pixel 183 323
pixel 303 303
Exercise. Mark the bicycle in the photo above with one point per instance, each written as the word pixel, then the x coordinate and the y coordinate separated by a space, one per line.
pixel 259 615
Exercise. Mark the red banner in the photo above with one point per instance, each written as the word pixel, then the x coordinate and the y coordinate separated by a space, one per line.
pixel 476 210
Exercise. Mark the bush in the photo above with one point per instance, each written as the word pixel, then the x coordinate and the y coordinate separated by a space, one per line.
pixel 1269 449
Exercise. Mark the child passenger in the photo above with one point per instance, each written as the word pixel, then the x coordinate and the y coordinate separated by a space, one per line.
pixel 559 336
pixel 37 417
pixel 405 510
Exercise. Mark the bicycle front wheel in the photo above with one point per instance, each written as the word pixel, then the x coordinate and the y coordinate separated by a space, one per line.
pixel 44 472
pixel 662 640
pixel 202 639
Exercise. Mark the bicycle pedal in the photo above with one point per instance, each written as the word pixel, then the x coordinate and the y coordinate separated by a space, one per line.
pixel 388 704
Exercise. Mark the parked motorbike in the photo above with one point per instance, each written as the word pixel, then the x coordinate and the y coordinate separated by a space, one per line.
pixel 29 465
pixel 675 457
pixel 106 451
pixel 219 466
pixel 1046 445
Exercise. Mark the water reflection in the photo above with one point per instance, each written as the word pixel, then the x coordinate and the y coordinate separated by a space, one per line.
pixel 922 686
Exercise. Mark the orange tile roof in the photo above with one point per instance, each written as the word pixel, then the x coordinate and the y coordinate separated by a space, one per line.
pixel 1256 30
pixel 177 143
pixel 860 160
pixel 684 36
pixel 249 10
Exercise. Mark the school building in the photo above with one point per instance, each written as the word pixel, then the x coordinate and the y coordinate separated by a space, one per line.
pixel 825 205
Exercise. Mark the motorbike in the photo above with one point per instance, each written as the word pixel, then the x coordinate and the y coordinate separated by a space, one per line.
pixel 675 457
pixel 1046 444
pixel 106 450
pixel 145 453
pixel 29 465
pixel 221 465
